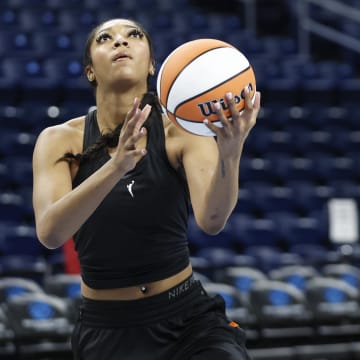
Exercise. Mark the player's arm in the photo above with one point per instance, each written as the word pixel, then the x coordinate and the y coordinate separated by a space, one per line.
pixel 212 167
pixel 213 183
pixel 61 210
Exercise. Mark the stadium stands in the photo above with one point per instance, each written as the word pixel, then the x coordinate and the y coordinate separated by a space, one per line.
pixel 276 265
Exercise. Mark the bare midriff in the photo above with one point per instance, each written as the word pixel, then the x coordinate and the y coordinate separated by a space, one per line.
pixel 137 291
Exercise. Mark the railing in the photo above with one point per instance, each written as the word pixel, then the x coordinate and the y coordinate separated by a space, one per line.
pixel 307 26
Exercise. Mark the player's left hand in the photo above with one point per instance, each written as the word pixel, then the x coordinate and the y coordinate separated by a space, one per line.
pixel 233 133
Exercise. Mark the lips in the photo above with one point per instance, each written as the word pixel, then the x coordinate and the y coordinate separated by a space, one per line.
pixel 120 56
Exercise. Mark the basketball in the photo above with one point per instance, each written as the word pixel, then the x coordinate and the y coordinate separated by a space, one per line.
pixel 197 74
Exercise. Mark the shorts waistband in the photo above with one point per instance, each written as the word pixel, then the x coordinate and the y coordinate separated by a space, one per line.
pixel 120 313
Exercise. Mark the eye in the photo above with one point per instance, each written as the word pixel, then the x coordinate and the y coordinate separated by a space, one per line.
pixel 103 37
pixel 136 33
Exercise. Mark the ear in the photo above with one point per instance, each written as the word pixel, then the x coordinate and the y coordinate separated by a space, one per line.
pixel 152 69
pixel 90 73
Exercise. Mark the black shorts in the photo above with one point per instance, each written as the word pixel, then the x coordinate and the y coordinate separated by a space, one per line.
pixel 182 323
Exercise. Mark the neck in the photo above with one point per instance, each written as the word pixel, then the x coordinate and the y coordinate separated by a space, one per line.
pixel 112 108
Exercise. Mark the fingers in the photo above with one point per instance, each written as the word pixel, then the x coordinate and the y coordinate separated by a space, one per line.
pixel 136 118
pixel 251 108
pixel 133 129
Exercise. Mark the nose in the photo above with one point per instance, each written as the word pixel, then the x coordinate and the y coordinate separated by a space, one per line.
pixel 120 42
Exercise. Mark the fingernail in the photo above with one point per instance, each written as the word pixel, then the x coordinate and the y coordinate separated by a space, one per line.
pixel 229 95
pixel 206 121
pixel 135 100
pixel 217 106
pixel 247 90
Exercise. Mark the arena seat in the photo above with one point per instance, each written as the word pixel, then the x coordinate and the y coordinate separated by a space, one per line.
pixel 270 257
pixel 346 272
pixel 22 240
pixel 66 287
pixel 332 302
pixel 242 278
pixel 273 353
pixel 251 231
pixel 11 208
pixel 236 309
pixel 41 325
pixel 329 351
pixel 7 345
pixel 24 267
pixel 280 309
pixel 16 143
pixel 296 275
pixel 11 287
pixel 20 168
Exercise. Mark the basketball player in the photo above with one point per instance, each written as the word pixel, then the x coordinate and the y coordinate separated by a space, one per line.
pixel 121 179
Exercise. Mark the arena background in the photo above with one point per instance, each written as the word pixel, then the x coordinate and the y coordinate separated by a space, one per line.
pixel 287 264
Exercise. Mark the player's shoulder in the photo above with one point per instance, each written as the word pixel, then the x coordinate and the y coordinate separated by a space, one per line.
pixel 64 137
pixel 69 129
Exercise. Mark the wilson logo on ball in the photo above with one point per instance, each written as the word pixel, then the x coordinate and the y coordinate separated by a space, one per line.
pixel 206 108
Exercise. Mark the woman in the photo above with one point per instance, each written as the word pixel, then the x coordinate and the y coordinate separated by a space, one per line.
pixel 120 179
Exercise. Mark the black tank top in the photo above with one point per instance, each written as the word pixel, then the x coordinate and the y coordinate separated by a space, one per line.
pixel 138 233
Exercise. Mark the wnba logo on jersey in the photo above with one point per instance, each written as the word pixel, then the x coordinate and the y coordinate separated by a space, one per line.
pixel 129 187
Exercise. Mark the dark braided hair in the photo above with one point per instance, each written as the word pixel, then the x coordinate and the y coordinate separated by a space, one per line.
pixel 110 139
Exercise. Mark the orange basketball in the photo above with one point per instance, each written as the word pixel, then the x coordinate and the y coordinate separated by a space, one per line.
pixel 196 75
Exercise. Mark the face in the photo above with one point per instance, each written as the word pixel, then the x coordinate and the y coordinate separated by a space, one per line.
pixel 120 54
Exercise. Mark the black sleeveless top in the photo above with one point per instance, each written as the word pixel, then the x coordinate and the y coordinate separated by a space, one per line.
pixel 138 233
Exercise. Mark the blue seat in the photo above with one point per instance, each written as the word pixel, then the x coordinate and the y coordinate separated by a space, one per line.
pixel 5 179
pixel 9 82
pixel 22 240
pixel 12 207
pixel 198 239
pixel 20 169
pixel 237 310
pixel 35 78
pixel 256 232
pixel 347 188
pixel 332 301
pixel 63 285
pixel 38 18
pixel 78 20
pixel 314 254
pixel 346 272
pixel 269 198
pixel 296 275
pixel 27 267
pixel 53 44
pixel 330 167
pixel 43 321
pixel 288 168
pixel 311 197
pixel 270 257
pixel 279 305
pixel 19 43
pixel 302 230
pixel 243 278
pixel 66 287
pixel 11 287
pixel 9 18
pixel 16 143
